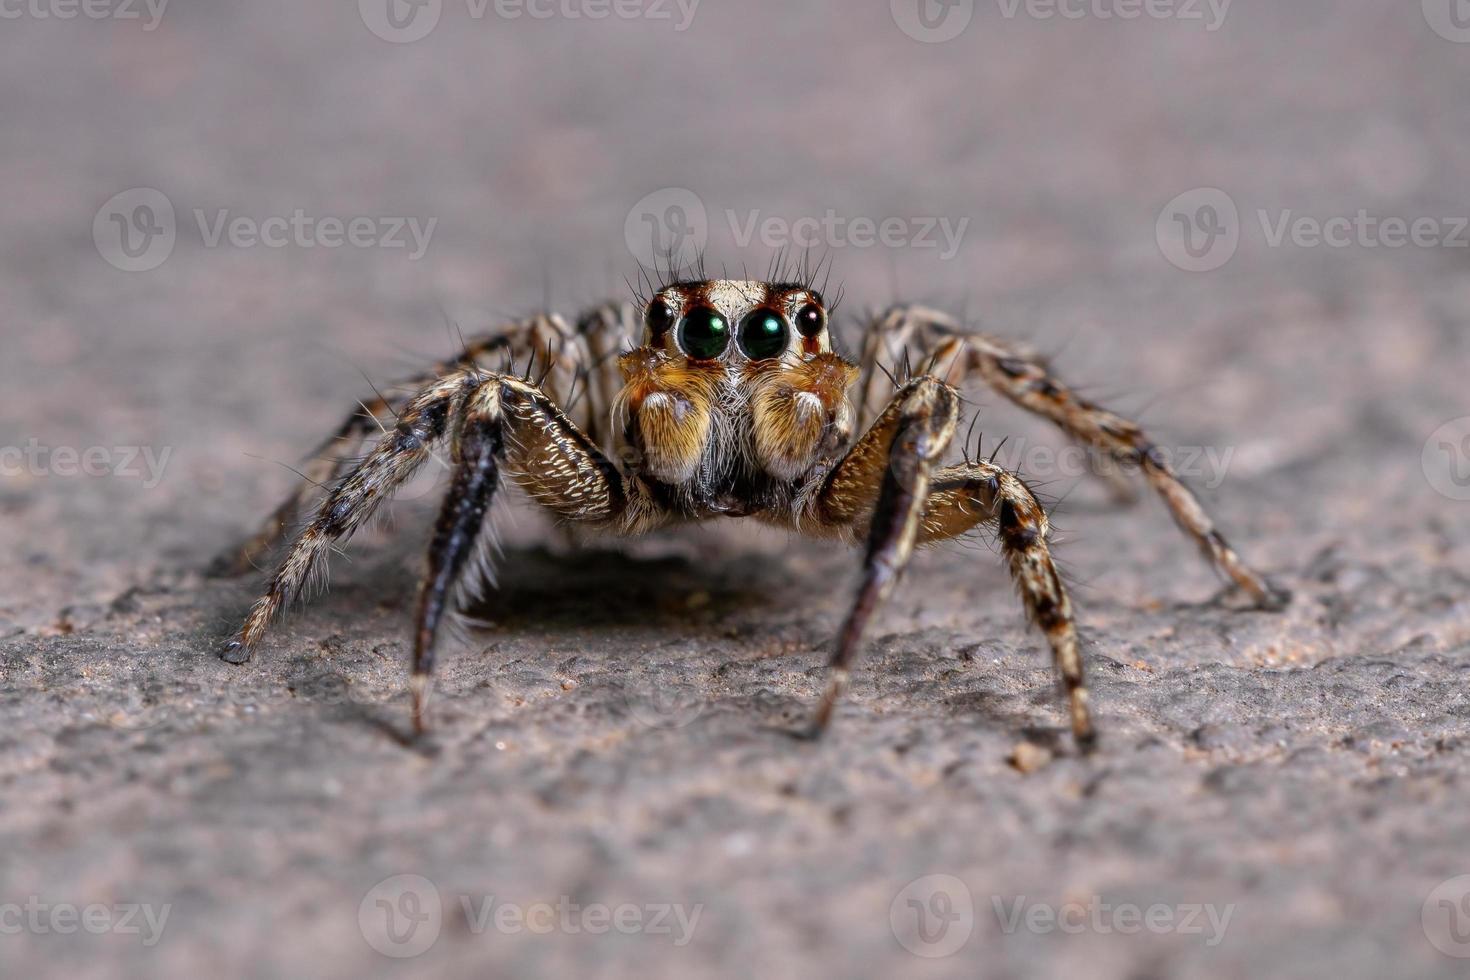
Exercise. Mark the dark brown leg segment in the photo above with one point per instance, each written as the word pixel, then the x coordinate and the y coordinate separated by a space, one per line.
pixel 349 504
pixel 897 454
pixel 511 424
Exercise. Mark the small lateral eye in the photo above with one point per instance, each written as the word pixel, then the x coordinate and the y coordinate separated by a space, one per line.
pixel 762 334
pixel 659 318
pixel 704 333
pixel 810 320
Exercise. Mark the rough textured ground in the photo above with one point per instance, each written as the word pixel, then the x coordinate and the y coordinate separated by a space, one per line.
pixel 614 736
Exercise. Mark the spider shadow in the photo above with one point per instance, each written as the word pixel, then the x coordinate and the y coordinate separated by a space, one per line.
pixel 538 590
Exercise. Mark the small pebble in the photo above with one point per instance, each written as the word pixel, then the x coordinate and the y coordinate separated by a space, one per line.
pixel 1029 758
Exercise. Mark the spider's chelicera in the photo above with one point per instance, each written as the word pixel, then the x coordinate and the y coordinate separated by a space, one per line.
pixel 733 403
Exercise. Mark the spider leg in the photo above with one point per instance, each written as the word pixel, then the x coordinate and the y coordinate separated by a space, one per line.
pixel 478 447
pixel 326 465
pixel 894 458
pixel 607 331
pixel 1021 376
pixel 353 499
pixel 496 422
pixel 1030 385
pixel 962 497
pixel 512 425
pixel 550 349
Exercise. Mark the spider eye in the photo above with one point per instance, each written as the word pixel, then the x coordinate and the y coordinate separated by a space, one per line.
pixel 704 333
pixel 659 318
pixel 810 320
pixel 762 334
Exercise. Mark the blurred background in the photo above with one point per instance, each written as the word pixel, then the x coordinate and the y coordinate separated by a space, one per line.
pixel 1245 220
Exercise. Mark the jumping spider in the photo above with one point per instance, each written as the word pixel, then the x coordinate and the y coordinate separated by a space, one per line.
pixel 734 404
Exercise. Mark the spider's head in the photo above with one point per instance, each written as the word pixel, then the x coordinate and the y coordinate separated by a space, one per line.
pixel 724 359
pixel 733 320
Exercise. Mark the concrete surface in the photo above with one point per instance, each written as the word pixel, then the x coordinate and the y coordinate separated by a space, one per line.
pixel 1277 795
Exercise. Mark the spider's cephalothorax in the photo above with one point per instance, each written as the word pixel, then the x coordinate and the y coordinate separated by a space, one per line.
pixel 732 404
pixel 733 397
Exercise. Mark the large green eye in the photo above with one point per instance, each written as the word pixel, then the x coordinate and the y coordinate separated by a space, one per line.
pixel 762 335
pixel 704 334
